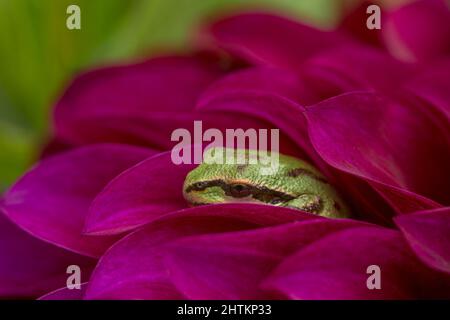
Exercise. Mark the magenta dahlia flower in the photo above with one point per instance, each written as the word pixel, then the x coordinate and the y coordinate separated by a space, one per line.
pixel 371 111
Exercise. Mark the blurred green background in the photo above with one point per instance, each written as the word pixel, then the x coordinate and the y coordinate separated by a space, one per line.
pixel 39 55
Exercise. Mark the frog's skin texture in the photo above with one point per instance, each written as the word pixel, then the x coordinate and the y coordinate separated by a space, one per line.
pixel 295 184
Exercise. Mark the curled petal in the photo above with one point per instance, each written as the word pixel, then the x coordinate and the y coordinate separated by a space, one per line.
pixel 278 112
pixel 133 268
pixel 427 233
pixel 144 192
pixel 259 80
pixel 433 87
pixel 30 267
pixel 66 294
pixel 164 83
pixel 354 22
pixel 384 143
pixel 155 130
pixel 355 67
pixel 418 31
pixel 232 265
pixel 262 38
pixel 337 267
pixel 51 201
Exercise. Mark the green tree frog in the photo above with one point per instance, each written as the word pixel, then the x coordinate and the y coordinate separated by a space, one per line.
pixel 294 184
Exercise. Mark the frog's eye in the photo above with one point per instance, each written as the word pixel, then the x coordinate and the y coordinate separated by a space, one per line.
pixel 276 200
pixel 239 190
pixel 200 185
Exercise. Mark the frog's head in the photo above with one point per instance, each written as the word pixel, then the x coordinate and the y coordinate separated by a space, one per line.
pixel 219 182
pixel 294 184
pixel 227 175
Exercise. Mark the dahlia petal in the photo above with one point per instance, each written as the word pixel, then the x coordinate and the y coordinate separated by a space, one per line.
pixel 277 111
pixel 134 264
pixel 355 67
pixel 144 192
pixel 30 267
pixel 53 146
pixel 335 267
pixel 164 83
pixel 384 148
pixel 418 31
pixel 427 233
pixel 354 22
pixel 403 200
pixel 152 130
pixel 433 86
pixel 262 38
pixel 255 214
pixel 66 294
pixel 365 202
pixel 155 130
pixel 259 80
pixel 232 265
pixel 51 201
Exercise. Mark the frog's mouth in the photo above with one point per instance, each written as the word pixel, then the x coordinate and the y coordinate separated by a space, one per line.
pixel 225 200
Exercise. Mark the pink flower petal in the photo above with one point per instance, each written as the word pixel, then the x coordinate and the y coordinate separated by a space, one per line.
pixel 263 38
pixel 66 294
pixel 133 268
pixel 153 130
pixel 384 143
pixel 428 234
pixel 52 199
pixel 365 202
pixel 30 267
pixel 433 87
pixel 144 192
pixel 165 83
pixel 356 67
pixel 335 267
pixel 418 31
pixel 279 112
pixel 355 23
pixel 259 80
pixel 232 265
